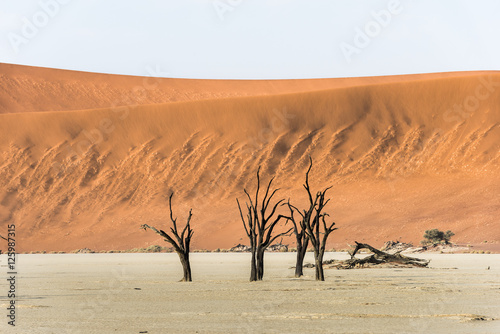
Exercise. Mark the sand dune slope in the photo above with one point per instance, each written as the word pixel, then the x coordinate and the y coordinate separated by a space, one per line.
pixel 403 156
pixel 28 89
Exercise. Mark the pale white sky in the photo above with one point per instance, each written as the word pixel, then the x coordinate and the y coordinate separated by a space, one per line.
pixel 252 39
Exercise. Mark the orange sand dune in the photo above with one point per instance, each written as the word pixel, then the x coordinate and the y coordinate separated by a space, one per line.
pixel 401 157
pixel 27 89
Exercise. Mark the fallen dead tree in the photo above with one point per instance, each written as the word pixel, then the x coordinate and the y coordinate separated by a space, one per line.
pixel 377 258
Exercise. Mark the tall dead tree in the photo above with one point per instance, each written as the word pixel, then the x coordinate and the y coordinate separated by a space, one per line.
pixel 299 230
pixel 259 224
pixel 180 242
pixel 314 225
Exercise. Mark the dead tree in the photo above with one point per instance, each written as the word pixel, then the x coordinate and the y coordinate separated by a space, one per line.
pixel 379 257
pixel 259 226
pixel 316 227
pixel 180 242
pixel 299 229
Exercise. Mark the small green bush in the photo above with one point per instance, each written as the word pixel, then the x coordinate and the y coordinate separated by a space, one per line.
pixel 436 236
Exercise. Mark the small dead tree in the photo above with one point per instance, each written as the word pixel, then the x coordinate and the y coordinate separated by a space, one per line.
pixel 180 242
pixel 259 225
pixel 314 224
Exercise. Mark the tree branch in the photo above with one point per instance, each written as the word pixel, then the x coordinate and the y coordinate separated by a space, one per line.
pixel 164 235
pixel 242 219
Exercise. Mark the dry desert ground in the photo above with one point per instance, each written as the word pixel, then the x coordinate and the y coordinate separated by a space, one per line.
pixel 139 293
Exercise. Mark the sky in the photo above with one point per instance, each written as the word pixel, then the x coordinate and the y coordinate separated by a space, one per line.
pixel 252 39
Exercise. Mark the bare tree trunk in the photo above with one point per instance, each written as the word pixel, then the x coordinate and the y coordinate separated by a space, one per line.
pixel 253 268
pixel 186 267
pixel 320 274
pixel 260 264
pixel 318 267
pixel 301 253
pixel 300 262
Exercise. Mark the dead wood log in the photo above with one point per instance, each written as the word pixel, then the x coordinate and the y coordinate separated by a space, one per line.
pixel 379 257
